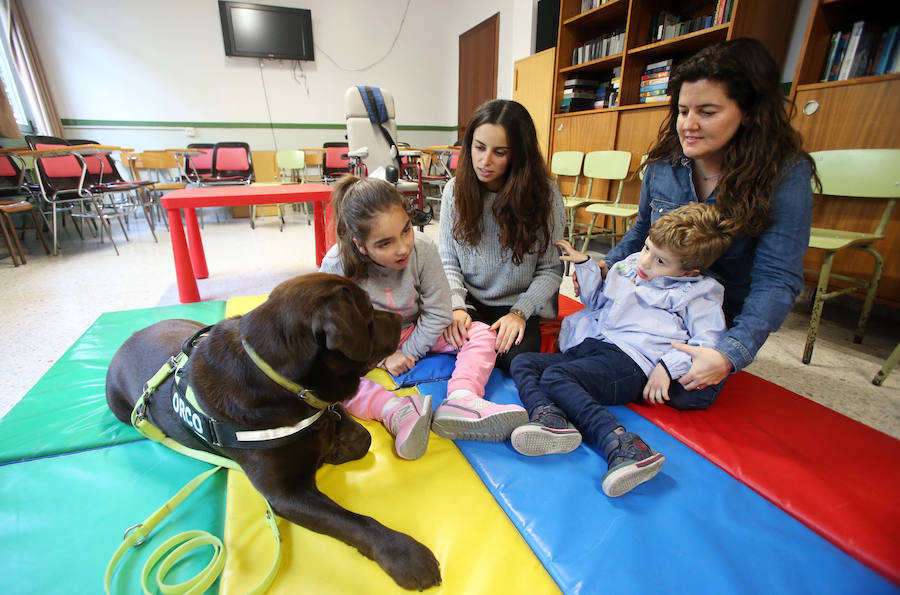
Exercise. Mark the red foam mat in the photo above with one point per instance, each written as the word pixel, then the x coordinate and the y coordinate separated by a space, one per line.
pixel 834 474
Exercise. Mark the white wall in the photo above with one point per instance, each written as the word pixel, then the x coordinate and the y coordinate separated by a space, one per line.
pixel 163 61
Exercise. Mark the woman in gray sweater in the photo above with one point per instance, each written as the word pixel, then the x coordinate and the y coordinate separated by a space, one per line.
pixel 500 217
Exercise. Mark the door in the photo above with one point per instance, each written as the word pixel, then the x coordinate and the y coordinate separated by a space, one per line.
pixel 478 54
pixel 533 88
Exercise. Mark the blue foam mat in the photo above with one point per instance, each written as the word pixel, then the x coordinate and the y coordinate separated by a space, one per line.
pixel 62 517
pixel 692 529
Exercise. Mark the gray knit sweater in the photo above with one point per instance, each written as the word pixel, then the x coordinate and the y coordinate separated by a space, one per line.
pixel 419 293
pixel 488 273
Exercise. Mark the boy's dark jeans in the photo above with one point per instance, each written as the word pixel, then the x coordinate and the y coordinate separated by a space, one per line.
pixel 587 377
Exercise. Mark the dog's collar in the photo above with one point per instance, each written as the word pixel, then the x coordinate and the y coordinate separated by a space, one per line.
pixel 292 387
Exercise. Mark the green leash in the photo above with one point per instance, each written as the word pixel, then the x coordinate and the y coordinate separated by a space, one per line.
pixel 184 543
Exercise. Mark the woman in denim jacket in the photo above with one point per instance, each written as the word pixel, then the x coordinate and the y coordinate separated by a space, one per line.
pixel 727 140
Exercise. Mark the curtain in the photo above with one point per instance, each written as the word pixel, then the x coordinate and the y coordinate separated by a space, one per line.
pixel 30 70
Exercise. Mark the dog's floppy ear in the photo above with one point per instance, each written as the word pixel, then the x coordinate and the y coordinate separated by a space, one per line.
pixel 345 327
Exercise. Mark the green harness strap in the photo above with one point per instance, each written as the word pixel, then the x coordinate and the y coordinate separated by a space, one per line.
pixel 183 543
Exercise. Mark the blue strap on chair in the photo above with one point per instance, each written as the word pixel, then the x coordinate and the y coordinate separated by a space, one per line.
pixel 378 115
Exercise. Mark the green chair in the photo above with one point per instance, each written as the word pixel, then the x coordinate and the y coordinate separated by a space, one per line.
pixel 291 167
pixel 568 163
pixel 853 173
pixel 607 166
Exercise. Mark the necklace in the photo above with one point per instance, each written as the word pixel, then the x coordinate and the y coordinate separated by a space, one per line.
pixel 718 175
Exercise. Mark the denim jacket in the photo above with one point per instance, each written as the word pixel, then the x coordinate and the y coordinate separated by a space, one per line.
pixel 762 275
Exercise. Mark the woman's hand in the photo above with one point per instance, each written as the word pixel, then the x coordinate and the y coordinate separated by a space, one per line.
pixel 657 387
pixel 398 363
pixel 708 368
pixel 510 329
pixel 458 332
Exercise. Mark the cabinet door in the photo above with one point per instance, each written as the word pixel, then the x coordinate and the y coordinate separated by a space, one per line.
pixel 533 88
pixel 638 129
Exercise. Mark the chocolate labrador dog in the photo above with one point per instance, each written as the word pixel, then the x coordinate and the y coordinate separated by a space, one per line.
pixel 318 331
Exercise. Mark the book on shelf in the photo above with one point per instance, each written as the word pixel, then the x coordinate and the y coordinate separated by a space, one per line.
pixel 661 81
pixel 888 52
pixel 663 86
pixel 662 74
pixel 838 55
pixel 654 98
pixel 655 67
pixel 850 54
pixel 668 25
pixel 829 57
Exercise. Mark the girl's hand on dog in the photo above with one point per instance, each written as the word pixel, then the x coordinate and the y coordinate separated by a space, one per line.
pixel 458 332
pixel 398 363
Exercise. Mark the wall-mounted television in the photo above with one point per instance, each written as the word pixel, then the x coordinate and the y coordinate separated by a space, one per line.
pixel 261 31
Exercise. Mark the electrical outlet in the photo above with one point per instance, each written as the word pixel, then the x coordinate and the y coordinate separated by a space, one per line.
pixel 191 132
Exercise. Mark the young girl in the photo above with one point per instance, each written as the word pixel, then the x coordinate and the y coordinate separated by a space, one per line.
pixel 500 216
pixel 402 273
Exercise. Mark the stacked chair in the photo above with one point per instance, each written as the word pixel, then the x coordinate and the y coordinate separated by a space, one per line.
pixel 15 198
pixel 89 187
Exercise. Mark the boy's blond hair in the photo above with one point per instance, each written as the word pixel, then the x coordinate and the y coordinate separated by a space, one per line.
pixel 695 232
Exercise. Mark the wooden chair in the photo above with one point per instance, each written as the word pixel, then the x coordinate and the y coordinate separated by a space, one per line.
pixel 860 174
pixel 608 166
pixel 159 167
pixel 568 164
pixel 9 208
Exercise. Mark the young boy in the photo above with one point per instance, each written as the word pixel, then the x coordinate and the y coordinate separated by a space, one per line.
pixel 620 347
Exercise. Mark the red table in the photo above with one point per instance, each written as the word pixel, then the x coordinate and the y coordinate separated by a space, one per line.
pixel 190 259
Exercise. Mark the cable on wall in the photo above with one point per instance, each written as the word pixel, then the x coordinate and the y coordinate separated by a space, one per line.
pixel 268 110
pixel 388 53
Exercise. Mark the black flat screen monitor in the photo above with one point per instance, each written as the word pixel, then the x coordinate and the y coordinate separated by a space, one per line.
pixel 260 31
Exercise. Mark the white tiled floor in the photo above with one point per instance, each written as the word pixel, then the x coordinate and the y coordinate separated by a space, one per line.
pixel 48 303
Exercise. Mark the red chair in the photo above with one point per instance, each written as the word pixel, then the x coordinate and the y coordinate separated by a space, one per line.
pixel 336 162
pixel 65 183
pixel 231 165
pixel 197 167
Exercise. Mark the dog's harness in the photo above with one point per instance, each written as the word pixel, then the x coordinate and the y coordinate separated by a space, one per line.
pixel 214 432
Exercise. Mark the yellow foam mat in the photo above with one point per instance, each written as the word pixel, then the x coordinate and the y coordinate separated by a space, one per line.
pixel 439 500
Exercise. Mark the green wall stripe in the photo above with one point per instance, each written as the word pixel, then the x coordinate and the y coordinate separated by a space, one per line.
pixel 284 125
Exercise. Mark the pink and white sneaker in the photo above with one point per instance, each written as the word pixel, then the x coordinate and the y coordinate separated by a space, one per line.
pixel 473 418
pixel 410 423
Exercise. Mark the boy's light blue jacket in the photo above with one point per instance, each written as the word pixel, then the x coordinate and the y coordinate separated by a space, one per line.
pixel 642 318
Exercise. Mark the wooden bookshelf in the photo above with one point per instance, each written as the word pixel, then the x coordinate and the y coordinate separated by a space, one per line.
pixel 856 113
pixel 632 126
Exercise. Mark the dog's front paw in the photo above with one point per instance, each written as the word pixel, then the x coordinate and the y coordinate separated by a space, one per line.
pixel 410 564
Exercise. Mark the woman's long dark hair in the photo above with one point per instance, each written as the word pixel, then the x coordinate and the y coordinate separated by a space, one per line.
pixel 523 207
pixel 764 147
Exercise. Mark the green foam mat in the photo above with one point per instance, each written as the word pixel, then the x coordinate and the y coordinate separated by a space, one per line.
pixel 63 517
pixel 66 410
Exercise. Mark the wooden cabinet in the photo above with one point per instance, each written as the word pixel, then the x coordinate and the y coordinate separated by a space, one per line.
pixel 857 113
pixel 533 88
pixel 633 126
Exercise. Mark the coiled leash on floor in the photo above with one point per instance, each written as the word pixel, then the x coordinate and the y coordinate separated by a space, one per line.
pixel 186 406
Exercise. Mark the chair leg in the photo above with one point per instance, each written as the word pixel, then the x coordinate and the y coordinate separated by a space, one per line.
pixel 281 216
pixel 40 233
pixel 9 246
pixel 252 216
pixel 590 231
pixel 889 364
pixel 870 295
pixel 821 289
